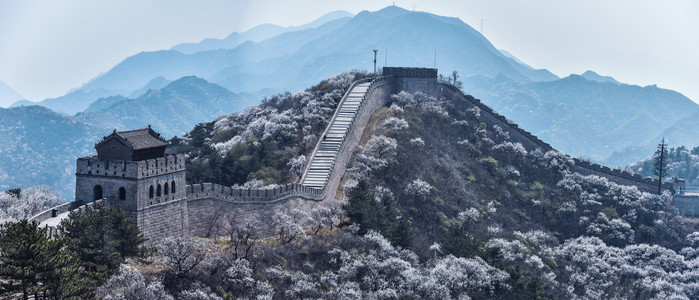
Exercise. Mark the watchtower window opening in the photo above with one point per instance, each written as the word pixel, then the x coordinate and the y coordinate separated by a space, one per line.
pixel 97 192
pixel 150 192
pixel 172 187
pixel 122 193
pixel 166 189
pixel 159 191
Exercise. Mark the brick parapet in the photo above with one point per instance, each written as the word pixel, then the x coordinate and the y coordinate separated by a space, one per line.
pixel 93 166
pixel 259 195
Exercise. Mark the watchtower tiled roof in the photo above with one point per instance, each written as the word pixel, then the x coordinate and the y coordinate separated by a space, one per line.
pixel 137 139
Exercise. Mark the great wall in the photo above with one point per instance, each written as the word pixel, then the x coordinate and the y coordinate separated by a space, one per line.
pixel 195 209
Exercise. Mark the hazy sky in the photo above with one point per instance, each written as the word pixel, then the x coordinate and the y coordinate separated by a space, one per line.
pixel 49 47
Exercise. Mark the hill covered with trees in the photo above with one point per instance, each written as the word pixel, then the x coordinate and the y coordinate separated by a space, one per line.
pixel 439 203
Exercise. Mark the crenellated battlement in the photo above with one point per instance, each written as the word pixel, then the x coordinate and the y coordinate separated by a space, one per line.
pixel 410 72
pixel 258 195
pixel 94 166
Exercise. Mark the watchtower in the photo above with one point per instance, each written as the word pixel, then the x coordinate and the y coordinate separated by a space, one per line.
pixel 131 169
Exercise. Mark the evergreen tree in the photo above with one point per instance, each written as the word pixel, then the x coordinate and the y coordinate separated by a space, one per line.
pixel 381 216
pixel 100 239
pixel 24 258
pixel 459 242
pixel 361 207
pixel 403 233
pixel 660 163
pixel 62 279
pixel 16 192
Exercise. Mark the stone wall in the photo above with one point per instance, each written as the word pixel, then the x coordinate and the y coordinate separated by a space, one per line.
pixel 202 209
pixel 409 72
pixel 413 80
pixel 260 195
pixel 85 186
pixel 54 211
pixel 377 96
pixel 687 205
pixel 209 216
pixel 163 220
pixel 210 205
pixel 130 169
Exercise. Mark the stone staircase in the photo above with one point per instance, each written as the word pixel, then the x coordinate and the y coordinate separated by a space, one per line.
pixel 325 154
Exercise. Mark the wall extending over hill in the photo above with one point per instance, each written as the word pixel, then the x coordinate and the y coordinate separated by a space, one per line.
pixel 206 206
pixel 211 205
pixel 532 142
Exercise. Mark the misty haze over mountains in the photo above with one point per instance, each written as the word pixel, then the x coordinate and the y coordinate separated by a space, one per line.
pixel 585 115
pixel 8 95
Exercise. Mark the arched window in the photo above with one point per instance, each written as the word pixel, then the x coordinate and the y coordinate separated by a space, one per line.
pixel 97 192
pixel 159 191
pixel 166 189
pixel 172 187
pixel 150 192
pixel 122 193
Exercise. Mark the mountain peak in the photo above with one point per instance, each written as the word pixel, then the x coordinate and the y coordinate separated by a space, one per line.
pixel 593 76
pixel 391 11
pixel 8 95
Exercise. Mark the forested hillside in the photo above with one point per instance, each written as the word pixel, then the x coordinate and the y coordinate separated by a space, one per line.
pixel 440 205
pixel 39 147
pixel 681 162
pixel 267 143
pixel 591 118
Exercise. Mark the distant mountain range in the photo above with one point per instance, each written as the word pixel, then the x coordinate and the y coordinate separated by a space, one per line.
pixel 297 58
pixel 592 76
pixel 173 109
pixel 8 95
pixel 256 34
pixel 587 115
pixel 588 118
pixel 40 145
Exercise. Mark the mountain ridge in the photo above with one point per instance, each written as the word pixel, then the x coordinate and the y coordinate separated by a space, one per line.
pixel 8 96
pixel 256 34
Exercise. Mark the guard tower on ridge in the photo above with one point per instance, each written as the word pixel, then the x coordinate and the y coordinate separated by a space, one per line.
pixel 131 169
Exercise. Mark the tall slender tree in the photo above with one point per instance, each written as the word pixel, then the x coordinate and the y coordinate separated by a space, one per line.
pixel 23 259
pixel 660 166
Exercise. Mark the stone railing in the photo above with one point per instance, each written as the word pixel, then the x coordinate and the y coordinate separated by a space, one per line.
pixel 594 168
pixel 258 195
pixel 410 72
pixel 621 174
pixel 54 212
pixel 375 82
pixel 63 208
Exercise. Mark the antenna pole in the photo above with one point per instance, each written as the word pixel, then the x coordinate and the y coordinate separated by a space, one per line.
pixel 375 51
pixel 385 58
pixel 435 58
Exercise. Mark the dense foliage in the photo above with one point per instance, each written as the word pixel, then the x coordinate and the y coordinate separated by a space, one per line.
pixel 483 217
pixel 258 143
pixel 441 203
pixel 88 249
pixel 681 162
pixel 604 121
pixel 466 186
pixel 18 203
